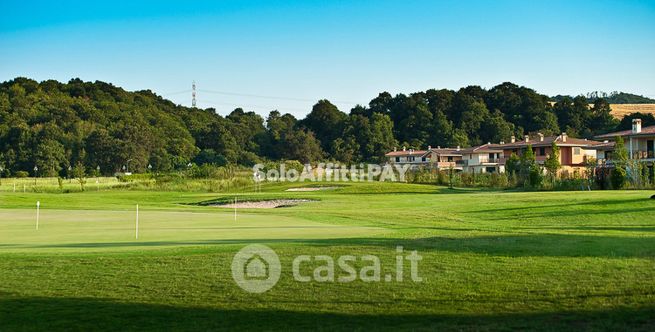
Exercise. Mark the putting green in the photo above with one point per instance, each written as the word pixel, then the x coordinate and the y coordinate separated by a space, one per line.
pixel 103 230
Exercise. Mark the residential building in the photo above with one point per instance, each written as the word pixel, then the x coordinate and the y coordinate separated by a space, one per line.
pixel 431 158
pixel 487 158
pixel 640 142
pixel 574 152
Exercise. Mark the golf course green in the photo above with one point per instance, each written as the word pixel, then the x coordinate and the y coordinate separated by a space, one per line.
pixel 491 260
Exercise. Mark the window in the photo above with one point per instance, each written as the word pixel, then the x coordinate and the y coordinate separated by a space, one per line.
pixel 423 159
pixel 490 169
pixel 542 151
pixel 397 159
pixel 450 158
pixel 576 151
pixel 411 158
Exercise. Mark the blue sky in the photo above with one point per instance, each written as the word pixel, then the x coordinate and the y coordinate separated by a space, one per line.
pixel 345 51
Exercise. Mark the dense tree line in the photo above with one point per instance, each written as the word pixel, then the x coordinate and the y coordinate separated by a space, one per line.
pixel 612 98
pixel 56 126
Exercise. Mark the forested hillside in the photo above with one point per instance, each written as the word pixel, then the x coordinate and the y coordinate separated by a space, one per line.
pixel 613 98
pixel 55 125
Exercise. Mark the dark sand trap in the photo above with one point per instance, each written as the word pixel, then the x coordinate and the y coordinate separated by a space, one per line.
pixel 270 204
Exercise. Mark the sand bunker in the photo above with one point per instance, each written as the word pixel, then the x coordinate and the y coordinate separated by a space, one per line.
pixel 270 204
pixel 312 188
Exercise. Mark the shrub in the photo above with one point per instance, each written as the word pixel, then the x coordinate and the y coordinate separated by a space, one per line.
pixel 467 179
pixel 134 177
pixel 21 174
pixel 294 164
pixel 617 178
pixel 570 184
pixel 535 177
pixel 442 178
pixel 499 180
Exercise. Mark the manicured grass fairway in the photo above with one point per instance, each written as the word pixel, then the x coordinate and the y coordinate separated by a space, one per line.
pixel 491 260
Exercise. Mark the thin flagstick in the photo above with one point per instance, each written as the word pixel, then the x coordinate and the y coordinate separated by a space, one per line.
pixel 235 209
pixel 38 207
pixel 137 221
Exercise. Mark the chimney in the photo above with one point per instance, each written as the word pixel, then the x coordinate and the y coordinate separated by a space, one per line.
pixel 403 148
pixel 636 126
pixel 606 141
pixel 513 140
pixel 564 136
pixel 541 137
pixel 458 148
pixel 429 147
pixel 394 149
pixel 439 147
pixel 502 142
pixel 527 138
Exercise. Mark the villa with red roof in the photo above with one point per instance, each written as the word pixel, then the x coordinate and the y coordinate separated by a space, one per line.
pixel 575 153
pixel 434 158
pixel 491 158
pixel 638 141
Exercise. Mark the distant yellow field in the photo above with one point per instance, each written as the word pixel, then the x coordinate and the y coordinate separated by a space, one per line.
pixel 621 110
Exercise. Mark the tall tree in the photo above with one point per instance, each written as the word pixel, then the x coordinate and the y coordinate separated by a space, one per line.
pixel 327 123
pixel 552 163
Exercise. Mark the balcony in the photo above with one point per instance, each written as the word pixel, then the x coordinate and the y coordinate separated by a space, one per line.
pixel 447 164
pixel 643 154
pixel 487 160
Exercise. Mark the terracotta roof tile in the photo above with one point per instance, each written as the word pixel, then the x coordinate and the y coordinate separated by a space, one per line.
pixel 650 130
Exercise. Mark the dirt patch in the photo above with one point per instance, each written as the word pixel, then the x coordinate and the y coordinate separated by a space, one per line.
pixel 312 188
pixel 270 204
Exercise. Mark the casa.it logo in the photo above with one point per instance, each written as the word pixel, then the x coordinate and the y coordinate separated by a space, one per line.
pixel 256 268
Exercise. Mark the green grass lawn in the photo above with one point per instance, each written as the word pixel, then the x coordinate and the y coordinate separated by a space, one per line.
pixel 491 260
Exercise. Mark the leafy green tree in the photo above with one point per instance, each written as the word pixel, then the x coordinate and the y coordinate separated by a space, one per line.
pixel 345 149
pixel 620 154
pixel 327 123
pixel 381 138
pixel 80 174
pixel 618 177
pixel 530 172
pixel 495 128
pixel 302 146
pixel 602 120
pixel 552 163
pixel 620 162
pixel 50 157
pixel 209 156
pixel 442 130
pixel 513 164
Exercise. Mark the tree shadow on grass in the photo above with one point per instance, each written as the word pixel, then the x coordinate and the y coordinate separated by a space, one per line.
pixel 80 314
pixel 550 214
pixel 548 245
pixel 621 228
pixel 526 206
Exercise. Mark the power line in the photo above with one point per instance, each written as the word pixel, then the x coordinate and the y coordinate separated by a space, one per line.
pixel 210 102
pixel 175 93
pixel 270 97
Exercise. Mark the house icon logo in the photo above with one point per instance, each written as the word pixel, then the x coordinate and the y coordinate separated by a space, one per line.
pixel 256 268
